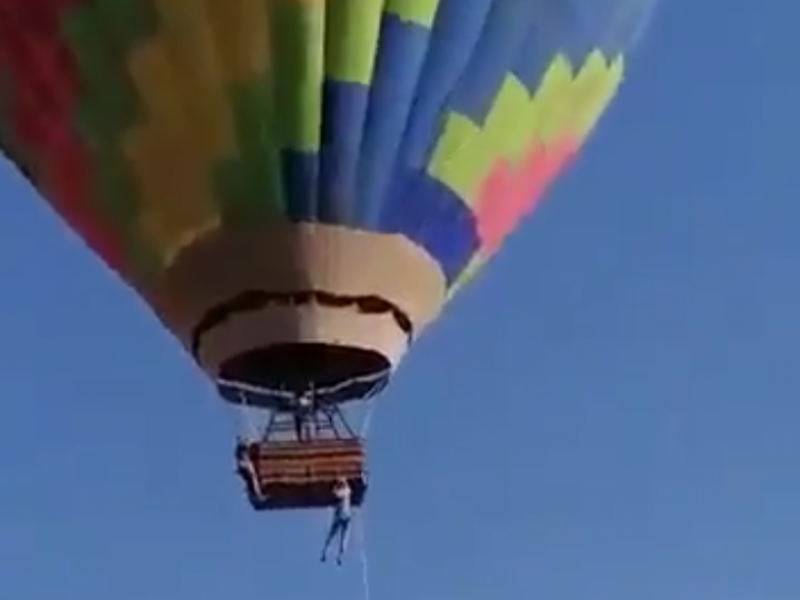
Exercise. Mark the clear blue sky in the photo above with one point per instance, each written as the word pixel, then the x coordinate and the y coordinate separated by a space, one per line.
pixel 626 372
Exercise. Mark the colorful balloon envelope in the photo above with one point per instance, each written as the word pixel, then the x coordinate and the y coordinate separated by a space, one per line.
pixel 297 188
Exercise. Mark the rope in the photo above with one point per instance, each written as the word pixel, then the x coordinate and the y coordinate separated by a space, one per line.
pixel 362 542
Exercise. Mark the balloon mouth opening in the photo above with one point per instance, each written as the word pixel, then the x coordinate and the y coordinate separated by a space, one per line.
pixel 299 366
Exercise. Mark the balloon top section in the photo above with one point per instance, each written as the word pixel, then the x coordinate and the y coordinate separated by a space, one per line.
pixel 296 187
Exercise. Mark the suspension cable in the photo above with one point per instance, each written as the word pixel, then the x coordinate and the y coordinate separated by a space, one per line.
pixel 367 422
pixel 243 390
pixel 247 423
pixel 378 380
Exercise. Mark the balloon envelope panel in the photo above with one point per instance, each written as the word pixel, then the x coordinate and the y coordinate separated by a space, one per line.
pixel 154 126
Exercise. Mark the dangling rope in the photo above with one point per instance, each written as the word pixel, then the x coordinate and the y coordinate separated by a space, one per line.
pixel 362 542
pixel 362 519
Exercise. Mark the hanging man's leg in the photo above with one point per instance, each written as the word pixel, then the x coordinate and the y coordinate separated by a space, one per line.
pixel 344 531
pixel 335 528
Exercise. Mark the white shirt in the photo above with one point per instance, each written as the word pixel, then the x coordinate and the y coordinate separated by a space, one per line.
pixel 343 493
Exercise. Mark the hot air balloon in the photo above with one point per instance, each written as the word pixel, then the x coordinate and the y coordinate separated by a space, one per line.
pixel 297 188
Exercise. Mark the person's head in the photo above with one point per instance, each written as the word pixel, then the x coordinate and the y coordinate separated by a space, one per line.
pixel 341 483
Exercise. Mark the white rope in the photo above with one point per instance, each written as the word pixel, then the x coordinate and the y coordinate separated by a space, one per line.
pixel 362 542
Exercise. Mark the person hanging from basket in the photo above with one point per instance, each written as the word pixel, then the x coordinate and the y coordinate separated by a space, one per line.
pixel 340 523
